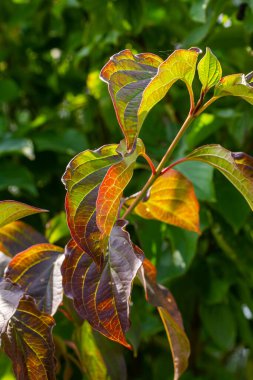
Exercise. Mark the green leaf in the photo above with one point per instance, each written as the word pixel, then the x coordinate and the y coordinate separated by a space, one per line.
pixel 13 210
pixel 23 179
pixel 24 342
pixel 57 228
pixel 17 145
pixel 9 90
pixel 198 10
pixel 161 297
pixel 237 167
pixel 102 296
pixel 235 85
pixel 209 70
pixel 37 270
pixel 127 76
pixel 95 181
pixel 180 65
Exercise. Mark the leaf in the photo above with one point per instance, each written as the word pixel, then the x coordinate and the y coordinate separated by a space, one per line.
pixel 13 210
pixel 102 296
pixel 235 85
pixel 209 70
pixel 9 90
pixel 180 65
pixel 57 228
pixel 18 236
pixel 10 296
pixel 17 146
pixel 171 199
pixel 161 297
pixel 237 167
pixel 127 76
pixel 95 181
pixel 29 344
pixel 198 10
pixel 23 179
pixel 37 270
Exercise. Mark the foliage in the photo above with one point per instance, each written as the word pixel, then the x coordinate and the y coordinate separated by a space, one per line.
pixel 56 49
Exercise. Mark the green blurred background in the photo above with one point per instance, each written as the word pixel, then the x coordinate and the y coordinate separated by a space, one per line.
pixel 53 105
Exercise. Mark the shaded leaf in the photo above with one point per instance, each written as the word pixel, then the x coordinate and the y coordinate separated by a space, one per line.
pixel 102 295
pixel 127 76
pixel 29 344
pixel 10 296
pixel 13 210
pixel 237 167
pixel 95 181
pixel 22 181
pixel 209 70
pixel 18 146
pixel 235 85
pixel 18 236
pixel 161 297
pixel 171 199
pixel 180 65
pixel 37 270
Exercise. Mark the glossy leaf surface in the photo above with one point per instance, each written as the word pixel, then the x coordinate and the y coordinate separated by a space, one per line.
pixel 37 270
pixel 18 236
pixel 180 65
pixel 171 199
pixel 102 295
pixel 209 70
pixel 127 76
pixel 10 296
pixel 29 344
pixel 235 85
pixel 161 297
pixel 95 181
pixel 13 210
pixel 237 167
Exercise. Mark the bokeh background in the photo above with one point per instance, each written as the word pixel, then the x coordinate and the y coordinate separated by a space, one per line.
pixel 53 105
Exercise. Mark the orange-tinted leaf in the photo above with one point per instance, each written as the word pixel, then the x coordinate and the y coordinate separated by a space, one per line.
pixel 37 270
pixel 235 85
pixel 13 210
pixel 10 295
pixel 127 76
pixel 161 297
pixel 95 181
pixel 102 295
pixel 171 199
pixel 18 236
pixel 29 344
pixel 180 65
pixel 236 166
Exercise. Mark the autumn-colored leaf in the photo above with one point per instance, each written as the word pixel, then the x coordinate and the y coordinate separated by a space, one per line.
pixel 237 167
pixel 127 76
pixel 180 65
pixel 102 296
pixel 171 199
pixel 13 210
pixel 29 344
pixel 209 70
pixel 161 297
pixel 95 181
pixel 10 295
pixel 235 85
pixel 37 270
pixel 18 236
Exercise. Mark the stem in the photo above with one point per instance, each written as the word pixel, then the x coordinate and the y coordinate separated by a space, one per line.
pixel 149 161
pixel 207 104
pixel 161 165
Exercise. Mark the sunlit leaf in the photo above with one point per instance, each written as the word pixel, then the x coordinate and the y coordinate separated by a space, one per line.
pixel 13 210
pixel 171 199
pixel 237 167
pixel 127 76
pixel 102 296
pixel 209 70
pixel 95 181
pixel 29 344
pixel 10 296
pixel 37 270
pixel 235 85
pixel 180 65
pixel 18 236
pixel 161 297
